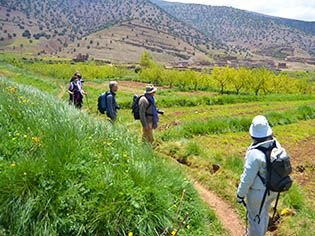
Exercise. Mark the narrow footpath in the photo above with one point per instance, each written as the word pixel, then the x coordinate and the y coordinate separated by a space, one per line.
pixel 227 216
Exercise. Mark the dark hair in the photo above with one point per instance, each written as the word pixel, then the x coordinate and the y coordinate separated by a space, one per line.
pixel 261 140
pixel 78 75
pixel 73 78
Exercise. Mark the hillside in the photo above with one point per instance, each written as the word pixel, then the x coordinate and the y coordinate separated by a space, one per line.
pixel 50 27
pixel 65 173
pixel 117 31
pixel 263 35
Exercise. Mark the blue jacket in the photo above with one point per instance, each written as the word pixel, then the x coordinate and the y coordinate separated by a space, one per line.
pixel 111 105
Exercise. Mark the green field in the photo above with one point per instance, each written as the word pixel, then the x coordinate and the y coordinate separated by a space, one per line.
pixel 201 127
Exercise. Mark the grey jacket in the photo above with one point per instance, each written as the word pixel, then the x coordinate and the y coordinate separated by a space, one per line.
pixel 255 162
pixel 145 112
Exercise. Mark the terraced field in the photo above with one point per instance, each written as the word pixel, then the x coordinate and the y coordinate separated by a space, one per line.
pixel 206 133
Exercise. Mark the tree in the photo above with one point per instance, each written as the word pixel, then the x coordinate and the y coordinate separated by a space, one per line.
pixel 259 80
pixel 239 78
pixel 220 75
pixel 146 60
pixel 26 34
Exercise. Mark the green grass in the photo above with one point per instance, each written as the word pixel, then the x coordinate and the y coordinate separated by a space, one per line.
pixel 63 173
pixel 228 151
pixel 238 124
pixel 303 222
pixel 209 129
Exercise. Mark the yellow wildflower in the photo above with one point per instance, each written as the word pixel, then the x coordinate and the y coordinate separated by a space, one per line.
pixel 36 140
pixel 13 165
pixel 287 212
pixel 130 234
pixel 173 233
pixel 12 89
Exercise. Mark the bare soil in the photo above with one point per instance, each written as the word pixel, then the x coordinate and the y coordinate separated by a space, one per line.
pixel 303 161
pixel 225 213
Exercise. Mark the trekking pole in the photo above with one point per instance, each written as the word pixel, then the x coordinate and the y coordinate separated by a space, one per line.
pixel 246 218
pixel 275 208
pixel 87 101
pixel 164 232
pixel 181 224
pixel 179 205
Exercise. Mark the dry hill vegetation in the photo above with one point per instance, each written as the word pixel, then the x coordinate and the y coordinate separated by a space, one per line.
pixel 175 34
pixel 264 35
pixel 55 25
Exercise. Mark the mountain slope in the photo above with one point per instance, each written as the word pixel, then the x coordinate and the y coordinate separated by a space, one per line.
pixel 119 31
pixel 52 26
pixel 265 35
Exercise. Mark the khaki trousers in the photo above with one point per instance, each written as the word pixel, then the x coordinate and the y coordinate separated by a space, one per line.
pixel 148 134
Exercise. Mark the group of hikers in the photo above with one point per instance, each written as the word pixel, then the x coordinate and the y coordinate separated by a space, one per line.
pixel 143 108
pixel 267 165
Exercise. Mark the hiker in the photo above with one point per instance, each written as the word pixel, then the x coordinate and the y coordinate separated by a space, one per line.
pixel 80 80
pixel 111 102
pixel 76 92
pixel 148 113
pixel 252 185
pixel 70 90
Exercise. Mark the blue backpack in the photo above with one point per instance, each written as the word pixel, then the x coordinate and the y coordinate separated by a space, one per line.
pixel 101 104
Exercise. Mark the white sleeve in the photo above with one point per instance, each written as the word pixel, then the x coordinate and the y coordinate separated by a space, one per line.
pixel 251 168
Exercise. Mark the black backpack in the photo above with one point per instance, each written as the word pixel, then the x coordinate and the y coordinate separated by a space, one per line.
pixel 135 106
pixel 278 170
pixel 101 104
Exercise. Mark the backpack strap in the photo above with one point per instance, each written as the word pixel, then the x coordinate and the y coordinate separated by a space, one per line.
pixel 261 178
pixel 266 182
pixel 261 206
pixel 275 207
pixel 267 153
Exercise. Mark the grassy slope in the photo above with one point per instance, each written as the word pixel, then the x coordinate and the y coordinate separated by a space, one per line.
pixel 64 173
pixel 203 151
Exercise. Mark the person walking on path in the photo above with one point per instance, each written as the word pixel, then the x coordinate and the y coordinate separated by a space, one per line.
pixel 148 113
pixel 111 102
pixel 252 185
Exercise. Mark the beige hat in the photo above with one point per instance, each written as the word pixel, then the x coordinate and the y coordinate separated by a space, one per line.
pixel 150 89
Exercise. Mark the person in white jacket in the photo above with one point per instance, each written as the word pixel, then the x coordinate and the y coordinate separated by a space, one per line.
pixel 252 185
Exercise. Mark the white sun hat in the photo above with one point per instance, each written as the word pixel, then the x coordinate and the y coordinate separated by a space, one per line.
pixel 260 127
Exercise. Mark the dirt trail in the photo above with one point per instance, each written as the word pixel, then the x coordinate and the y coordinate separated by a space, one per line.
pixel 224 212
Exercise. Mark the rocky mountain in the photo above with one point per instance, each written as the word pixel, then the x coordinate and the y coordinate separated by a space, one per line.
pixel 264 35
